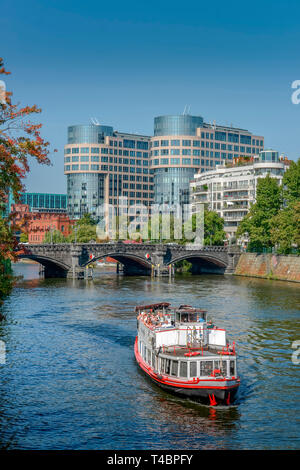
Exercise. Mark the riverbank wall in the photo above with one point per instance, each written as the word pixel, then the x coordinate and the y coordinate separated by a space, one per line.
pixel 269 266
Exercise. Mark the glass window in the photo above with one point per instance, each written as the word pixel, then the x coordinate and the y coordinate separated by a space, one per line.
pixel 183 369
pixel 206 368
pixel 174 368
pixel 186 143
pixel 176 143
pixel 193 369
pixel 231 368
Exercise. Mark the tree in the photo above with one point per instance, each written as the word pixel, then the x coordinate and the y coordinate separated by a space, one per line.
pixel 84 230
pixel 86 219
pixel 84 234
pixel 20 141
pixel 54 237
pixel 213 228
pixel 291 183
pixel 257 222
pixel 285 226
pixel 282 231
pixel 24 237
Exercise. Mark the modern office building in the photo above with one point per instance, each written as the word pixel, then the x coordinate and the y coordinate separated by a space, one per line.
pixel 102 165
pixel 230 188
pixel 45 202
pixel 40 202
pixel 184 144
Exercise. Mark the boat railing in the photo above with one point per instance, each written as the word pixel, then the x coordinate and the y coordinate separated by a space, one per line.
pixel 228 350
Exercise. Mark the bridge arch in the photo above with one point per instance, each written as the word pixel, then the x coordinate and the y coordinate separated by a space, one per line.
pixel 53 267
pixel 133 263
pixel 202 262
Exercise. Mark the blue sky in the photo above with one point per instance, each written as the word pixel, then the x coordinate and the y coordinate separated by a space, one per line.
pixel 126 62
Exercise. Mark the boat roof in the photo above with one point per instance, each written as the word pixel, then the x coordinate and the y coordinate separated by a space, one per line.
pixel 152 306
pixel 189 309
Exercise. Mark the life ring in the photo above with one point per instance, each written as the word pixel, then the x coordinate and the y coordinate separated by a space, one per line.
pixel 190 354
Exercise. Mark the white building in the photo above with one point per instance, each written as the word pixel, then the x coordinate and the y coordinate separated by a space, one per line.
pixel 230 188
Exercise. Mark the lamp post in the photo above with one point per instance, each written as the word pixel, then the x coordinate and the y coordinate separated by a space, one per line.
pixel 75 230
pixel 51 233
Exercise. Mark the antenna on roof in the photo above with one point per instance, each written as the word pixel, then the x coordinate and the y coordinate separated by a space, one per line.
pixel 95 121
pixel 187 110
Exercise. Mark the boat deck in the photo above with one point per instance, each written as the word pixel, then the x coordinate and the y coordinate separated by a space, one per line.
pixel 180 351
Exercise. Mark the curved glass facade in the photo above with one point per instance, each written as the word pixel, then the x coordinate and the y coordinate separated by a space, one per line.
pixel 182 124
pixel 90 134
pixel 171 185
pixel 85 193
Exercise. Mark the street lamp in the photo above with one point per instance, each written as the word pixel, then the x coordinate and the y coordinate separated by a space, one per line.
pixel 51 233
pixel 75 230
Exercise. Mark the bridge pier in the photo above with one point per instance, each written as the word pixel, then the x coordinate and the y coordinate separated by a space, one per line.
pixel 234 252
pixel 76 271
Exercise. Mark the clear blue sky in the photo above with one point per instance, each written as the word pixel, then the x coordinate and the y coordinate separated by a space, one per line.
pixel 126 62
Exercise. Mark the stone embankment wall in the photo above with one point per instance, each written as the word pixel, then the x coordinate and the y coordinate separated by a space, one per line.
pixel 285 268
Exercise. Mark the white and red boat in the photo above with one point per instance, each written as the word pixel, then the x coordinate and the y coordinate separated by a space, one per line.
pixel 185 354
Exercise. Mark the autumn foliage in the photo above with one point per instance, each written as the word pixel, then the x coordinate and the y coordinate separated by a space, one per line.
pixel 20 142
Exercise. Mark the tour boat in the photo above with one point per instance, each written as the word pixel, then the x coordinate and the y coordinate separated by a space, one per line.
pixel 184 353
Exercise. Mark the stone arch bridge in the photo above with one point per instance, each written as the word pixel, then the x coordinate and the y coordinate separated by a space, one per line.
pixel 73 259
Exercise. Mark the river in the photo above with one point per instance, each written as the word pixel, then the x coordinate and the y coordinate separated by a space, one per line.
pixel 70 380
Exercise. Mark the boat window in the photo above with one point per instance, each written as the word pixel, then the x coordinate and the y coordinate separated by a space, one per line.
pixel 231 370
pixel 183 369
pixel 153 360
pixel 168 366
pixel 162 365
pixel 222 366
pixel 174 368
pixel 193 369
pixel 206 367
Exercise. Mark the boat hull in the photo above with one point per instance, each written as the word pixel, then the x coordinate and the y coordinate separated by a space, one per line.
pixel 215 391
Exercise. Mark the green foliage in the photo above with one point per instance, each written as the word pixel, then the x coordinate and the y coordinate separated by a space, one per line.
pixel 183 266
pixel 6 278
pixel 84 233
pixel 274 220
pixel 213 228
pixel 282 232
pixel 257 223
pixel 86 219
pixel 55 237
pixel 23 237
pixel 291 183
